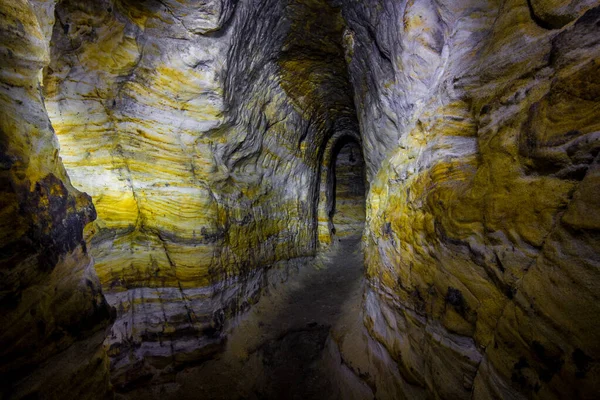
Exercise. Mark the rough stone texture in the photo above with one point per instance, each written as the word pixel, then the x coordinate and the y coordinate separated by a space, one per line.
pixel 207 134
pixel 52 312
pixel 197 128
pixel 129 91
pixel 480 131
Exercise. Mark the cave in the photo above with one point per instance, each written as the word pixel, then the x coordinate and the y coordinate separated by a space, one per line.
pixel 347 212
pixel 341 200
pixel 317 199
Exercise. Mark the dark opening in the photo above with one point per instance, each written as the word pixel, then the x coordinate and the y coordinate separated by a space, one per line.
pixel 347 213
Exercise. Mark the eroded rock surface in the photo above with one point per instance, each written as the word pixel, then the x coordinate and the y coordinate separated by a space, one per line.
pixel 52 313
pixel 198 132
pixel 480 130
pixel 207 134
pixel 281 348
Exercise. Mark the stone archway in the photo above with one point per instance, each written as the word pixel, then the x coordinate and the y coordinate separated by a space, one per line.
pixel 348 213
pixel 341 207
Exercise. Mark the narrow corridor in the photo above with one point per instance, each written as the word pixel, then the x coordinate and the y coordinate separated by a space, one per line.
pixel 278 350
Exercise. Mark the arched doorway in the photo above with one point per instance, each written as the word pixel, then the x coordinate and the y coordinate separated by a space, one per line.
pixel 341 209
pixel 348 213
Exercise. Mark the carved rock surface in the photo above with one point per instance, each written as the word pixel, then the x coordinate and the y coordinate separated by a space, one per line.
pixel 480 131
pixel 208 136
pixel 197 128
pixel 52 312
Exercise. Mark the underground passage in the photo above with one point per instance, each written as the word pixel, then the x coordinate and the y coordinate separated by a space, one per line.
pixel 348 213
pixel 299 199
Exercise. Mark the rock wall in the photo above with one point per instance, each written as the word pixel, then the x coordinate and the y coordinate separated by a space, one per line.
pixel 480 134
pixel 52 312
pixel 197 129
pixel 206 134
pixel 132 90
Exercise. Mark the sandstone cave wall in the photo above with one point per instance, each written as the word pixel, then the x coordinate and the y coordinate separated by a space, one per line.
pixel 197 129
pixel 480 127
pixel 52 312
pixel 132 90
pixel 289 92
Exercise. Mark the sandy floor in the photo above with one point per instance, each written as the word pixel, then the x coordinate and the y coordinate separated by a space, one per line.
pixel 278 350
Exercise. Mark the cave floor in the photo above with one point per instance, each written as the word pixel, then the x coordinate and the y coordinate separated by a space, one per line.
pixel 282 348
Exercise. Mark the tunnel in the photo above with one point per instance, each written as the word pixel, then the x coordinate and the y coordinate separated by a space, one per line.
pixel 348 213
pixel 341 203
pixel 316 199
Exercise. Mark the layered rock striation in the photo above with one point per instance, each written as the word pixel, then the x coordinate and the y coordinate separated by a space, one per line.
pixel 480 132
pixel 198 131
pixel 217 140
pixel 53 316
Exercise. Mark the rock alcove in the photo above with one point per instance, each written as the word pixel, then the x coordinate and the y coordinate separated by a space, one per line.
pixel 181 211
